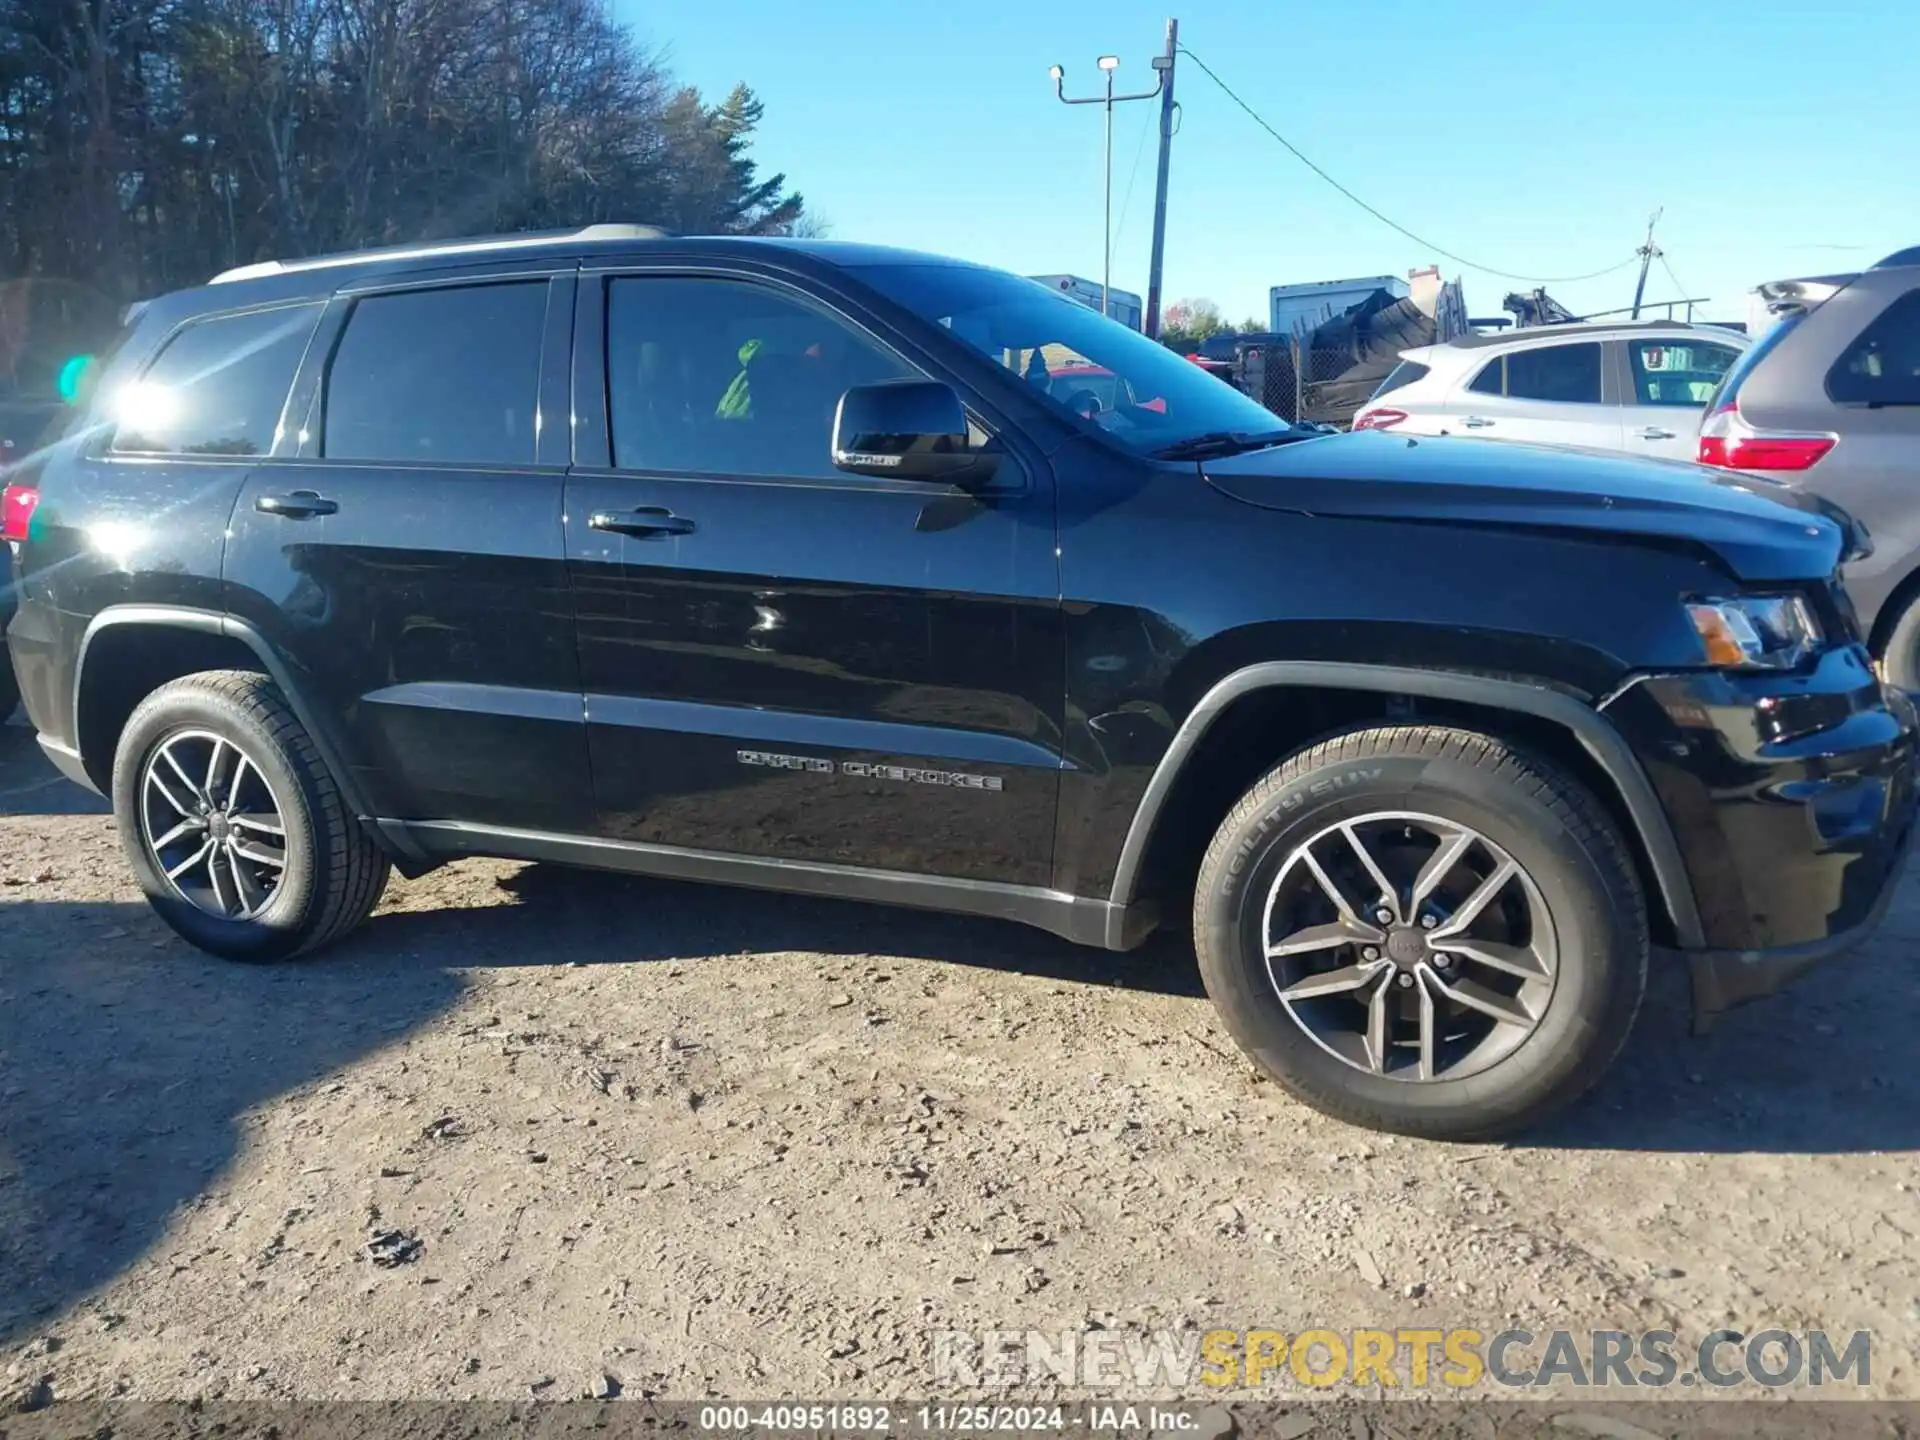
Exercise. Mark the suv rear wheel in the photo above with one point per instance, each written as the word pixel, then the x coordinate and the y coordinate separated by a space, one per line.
pixel 1424 930
pixel 236 831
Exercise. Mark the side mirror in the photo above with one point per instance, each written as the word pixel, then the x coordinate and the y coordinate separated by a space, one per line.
pixel 908 430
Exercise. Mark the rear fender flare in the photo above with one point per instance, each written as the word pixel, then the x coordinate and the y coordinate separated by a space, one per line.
pixel 1596 735
pixel 212 622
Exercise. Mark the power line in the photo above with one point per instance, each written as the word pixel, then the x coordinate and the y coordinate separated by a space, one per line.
pixel 1685 294
pixel 1385 220
pixel 1139 149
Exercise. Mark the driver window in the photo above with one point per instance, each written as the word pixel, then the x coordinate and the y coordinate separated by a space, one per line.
pixel 723 377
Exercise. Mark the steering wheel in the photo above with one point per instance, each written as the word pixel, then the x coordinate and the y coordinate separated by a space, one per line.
pixel 1085 404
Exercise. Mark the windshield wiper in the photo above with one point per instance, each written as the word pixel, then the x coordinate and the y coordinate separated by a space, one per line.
pixel 1216 443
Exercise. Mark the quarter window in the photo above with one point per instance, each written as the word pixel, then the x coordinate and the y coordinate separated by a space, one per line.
pixel 708 376
pixel 1882 366
pixel 1492 379
pixel 217 388
pixel 444 375
pixel 1677 372
pixel 1567 374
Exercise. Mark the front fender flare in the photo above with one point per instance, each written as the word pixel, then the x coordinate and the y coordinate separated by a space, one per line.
pixel 1596 734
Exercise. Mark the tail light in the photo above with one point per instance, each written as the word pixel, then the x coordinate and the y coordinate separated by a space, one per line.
pixel 1378 419
pixel 17 504
pixel 1728 442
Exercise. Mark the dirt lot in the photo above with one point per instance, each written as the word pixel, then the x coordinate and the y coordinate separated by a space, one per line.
pixel 709 1142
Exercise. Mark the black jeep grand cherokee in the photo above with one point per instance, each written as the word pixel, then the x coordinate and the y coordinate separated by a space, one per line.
pixel 825 568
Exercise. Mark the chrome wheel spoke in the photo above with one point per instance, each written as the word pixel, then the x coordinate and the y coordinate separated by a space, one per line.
pixel 258 824
pixel 246 849
pixel 192 825
pixel 1521 960
pixel 216 759
pixel 186 809
pixel 1333 982
pixel 185 779
pixel 1326 884
pixel 1453 849
pixel 1483 895
pixel 240 769
pixel 252 893
pixel 1389 893
pixel 1377 1025
pixel 226 889
pixel 198 857
pixel 1429 1023
pixel 1502 1009
pixel 1322 937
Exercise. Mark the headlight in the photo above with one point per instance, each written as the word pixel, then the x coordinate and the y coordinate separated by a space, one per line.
pixel 1768 632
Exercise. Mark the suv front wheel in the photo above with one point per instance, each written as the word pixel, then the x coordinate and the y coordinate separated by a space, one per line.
pixel 236 830
pixel 1422 929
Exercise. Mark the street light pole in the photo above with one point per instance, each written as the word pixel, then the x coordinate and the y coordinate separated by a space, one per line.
pixel 1108 64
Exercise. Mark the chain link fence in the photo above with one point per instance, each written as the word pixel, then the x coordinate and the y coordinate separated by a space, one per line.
pixel 1300 381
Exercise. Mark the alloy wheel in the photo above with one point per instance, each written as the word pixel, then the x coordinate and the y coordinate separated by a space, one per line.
pixel 213 825
pixel 1409 946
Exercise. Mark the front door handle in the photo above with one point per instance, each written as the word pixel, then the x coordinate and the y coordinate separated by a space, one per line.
pixel 300 505
pixel 648 521
pixel 1475 422
pixel 1654 432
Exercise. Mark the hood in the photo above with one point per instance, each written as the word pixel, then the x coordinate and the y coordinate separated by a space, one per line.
pixel 1754 528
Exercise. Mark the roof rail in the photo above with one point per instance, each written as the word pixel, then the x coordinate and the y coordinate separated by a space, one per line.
pixel 474 245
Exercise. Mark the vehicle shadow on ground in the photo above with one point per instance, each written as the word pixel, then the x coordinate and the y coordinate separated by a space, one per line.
pixel 556 915
pixel 1825 1068
pixel 128 1070
pixel 29 785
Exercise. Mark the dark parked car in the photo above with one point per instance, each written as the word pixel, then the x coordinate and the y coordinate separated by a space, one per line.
pixel 779 564
pixel 22 424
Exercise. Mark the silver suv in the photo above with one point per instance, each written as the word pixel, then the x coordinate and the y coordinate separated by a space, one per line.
pixel 1828 400
pixel 1636 387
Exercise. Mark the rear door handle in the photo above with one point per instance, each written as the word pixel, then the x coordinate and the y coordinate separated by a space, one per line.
pixel 1475 422
pixel 300 505
pixel 1654 432
pixel 649 521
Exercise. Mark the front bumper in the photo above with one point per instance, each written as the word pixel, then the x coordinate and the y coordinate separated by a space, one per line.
pixel 1792 798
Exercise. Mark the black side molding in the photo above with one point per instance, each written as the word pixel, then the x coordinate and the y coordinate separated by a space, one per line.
pixel 211 622
pixel 1596 735
pixel 1072 917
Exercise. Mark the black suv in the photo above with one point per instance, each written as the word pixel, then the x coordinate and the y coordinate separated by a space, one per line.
pixel 783 564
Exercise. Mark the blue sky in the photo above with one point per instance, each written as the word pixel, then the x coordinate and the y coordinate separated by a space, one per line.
pixel 1534 136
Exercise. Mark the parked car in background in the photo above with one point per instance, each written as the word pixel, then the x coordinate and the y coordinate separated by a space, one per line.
pixel 22 424
pixel 1638 387
pixel 1828 400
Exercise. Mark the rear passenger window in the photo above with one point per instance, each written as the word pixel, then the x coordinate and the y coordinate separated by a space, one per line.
pixel 1405 373
pixel 217 388
pixel 1882 367
pixel 1569 374
pixel 450 375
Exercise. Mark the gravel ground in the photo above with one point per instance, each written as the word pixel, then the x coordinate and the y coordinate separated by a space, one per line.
pixel 704 1142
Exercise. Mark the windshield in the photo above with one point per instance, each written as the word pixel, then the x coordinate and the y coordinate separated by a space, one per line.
pixel 1095 370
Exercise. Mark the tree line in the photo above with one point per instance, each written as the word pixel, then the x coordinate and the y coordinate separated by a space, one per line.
pixel 145 144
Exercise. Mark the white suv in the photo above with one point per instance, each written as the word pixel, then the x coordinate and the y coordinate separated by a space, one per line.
pixel 1637 387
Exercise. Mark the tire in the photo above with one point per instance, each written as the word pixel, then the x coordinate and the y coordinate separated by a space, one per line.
pixel 1901 659
pixel 329 874
pixel 1575 901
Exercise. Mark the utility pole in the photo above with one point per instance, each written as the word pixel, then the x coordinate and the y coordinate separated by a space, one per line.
pixel 1646 252
pixel 1108 64
pixel 1164 64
